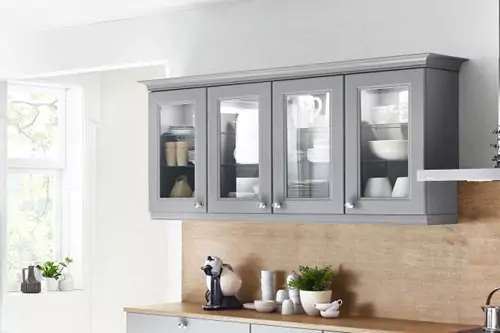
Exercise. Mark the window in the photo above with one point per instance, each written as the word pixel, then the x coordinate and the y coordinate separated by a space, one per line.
pixel 44 155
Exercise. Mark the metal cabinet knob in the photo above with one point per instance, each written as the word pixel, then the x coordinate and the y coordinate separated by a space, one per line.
pixel 276 205
pixel 261 205
pixel 349 205
pixel 182 325
pixel 198 205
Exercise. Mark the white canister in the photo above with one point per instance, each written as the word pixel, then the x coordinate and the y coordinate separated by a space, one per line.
pixel 267 285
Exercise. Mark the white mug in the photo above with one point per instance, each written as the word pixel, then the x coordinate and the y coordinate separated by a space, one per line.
pixel 304 110
pixel 281 295
pixel 379 187
pixel 401 188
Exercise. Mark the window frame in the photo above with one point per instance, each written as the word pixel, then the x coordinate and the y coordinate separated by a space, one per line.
pixel 62 224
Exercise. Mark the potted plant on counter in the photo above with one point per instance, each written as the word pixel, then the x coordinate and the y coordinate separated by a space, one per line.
pixel 52 271
pixel 314 285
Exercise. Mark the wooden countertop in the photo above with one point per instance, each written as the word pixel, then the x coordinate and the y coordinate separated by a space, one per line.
pixel 347 325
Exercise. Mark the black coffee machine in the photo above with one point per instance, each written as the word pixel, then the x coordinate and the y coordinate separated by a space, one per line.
pixel 213 268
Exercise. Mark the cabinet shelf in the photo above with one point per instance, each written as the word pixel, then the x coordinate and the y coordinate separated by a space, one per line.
pixel 391 125
pixel 189 166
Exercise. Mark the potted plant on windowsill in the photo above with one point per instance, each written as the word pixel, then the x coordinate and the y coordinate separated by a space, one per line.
pixel 314 285
pixel 52 271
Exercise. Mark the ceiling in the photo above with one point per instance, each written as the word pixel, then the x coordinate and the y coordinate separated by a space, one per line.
pixel 28 15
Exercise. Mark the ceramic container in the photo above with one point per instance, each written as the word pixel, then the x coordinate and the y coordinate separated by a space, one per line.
pixel 182 148
pixel 390 150
pixel 30 284
pixel 287 307
pixel 267 284
pixel 281 295
pixel 67 283
pixel 401 188
pixel 265 306
pixel 379 187
pixel 309 298
pixel 51 284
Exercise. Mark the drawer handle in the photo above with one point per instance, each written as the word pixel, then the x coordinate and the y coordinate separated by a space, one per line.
pixel 276 205
pixel 182 325
pixel 198 205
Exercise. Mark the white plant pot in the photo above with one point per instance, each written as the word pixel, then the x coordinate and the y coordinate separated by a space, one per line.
pixel 309 298
pixel 51 284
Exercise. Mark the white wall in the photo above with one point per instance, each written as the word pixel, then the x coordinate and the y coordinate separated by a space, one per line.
pixel 127 253
pixel 130 263
pixel 263 33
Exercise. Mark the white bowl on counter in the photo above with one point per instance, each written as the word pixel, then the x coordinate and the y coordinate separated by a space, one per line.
pixel 265 306
pixel 390 150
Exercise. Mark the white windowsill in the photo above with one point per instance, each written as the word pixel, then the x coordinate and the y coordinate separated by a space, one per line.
pixel 44 293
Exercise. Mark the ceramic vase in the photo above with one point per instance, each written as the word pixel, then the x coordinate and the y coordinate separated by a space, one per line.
pixel 67 284
pixel 30 284
pixel 51 284
pixel 309 298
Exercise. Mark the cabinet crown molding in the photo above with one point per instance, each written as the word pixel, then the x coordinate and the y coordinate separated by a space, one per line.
pixel 420 60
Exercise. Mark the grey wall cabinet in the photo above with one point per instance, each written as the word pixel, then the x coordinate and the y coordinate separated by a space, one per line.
pixel 239 137
pixel 308 146
pixel 177 124
pixel 339 142
pixel 396 123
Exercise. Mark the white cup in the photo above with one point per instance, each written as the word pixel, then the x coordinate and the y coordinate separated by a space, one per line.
pixel 281 295
pixel 287 307
pixel 401 188
pixel 379 187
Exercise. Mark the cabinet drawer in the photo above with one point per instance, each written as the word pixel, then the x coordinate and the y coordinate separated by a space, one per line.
pixel 137 323
pixel 276 329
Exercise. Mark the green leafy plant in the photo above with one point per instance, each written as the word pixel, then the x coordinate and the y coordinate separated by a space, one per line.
pixel 312 278
pixel 54 269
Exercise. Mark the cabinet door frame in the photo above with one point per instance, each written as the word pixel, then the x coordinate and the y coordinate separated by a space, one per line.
pixel 415 204
pixel 334 85
pixel 231 205
pixel 158 205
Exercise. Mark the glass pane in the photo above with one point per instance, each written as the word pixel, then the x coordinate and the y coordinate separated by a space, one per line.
pixel 30 222
pixel 33 121
pixel 239 148
pixel 308 145
pixel 384 142
pixel 178 154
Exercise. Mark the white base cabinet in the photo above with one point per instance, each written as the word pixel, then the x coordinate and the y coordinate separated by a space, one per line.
pixel 276 329
pixel 138 323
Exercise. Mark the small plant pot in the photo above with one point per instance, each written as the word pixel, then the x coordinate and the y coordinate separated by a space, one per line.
pixel 51 284
pixel 309 298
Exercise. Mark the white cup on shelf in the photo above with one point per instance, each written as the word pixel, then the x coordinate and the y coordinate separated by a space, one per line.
pixel 378 187
pixel 401 188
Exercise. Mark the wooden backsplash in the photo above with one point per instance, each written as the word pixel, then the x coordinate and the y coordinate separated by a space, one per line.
pixel 431 273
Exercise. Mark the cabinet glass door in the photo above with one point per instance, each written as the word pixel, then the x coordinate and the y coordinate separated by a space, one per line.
pixel 240 149
pixel 308 146
pixel 383 125
pixel 178 156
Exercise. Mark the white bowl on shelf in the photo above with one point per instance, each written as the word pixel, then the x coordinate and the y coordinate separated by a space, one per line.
pixel 390 150
pixel 265 306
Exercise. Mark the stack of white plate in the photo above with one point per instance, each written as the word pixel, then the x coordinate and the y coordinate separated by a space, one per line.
pixel 319 154
pixel 310 188
pixel 192 156
pixel 181 130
